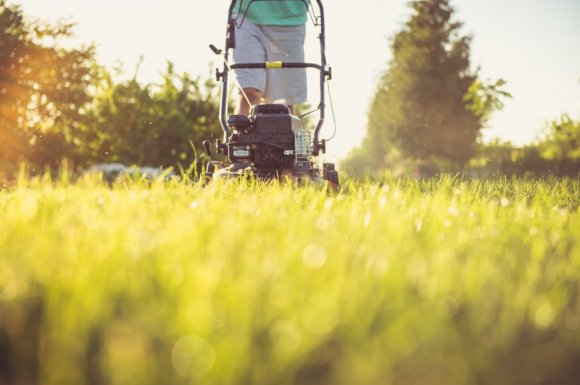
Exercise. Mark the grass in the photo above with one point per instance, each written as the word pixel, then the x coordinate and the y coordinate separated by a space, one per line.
pixel 438 281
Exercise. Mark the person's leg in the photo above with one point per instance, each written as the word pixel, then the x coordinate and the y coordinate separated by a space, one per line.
pixel 254 96
pixel 286 44
pixel 249 49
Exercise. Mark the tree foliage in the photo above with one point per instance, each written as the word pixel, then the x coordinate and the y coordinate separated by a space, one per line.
pixel 562 139
pixel 156 125
pixel 556 153
pixel 429 104
pixel 42 87
pixel 58 103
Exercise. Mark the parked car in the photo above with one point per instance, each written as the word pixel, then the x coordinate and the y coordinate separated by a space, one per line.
pixel 115 171
pixel 110 171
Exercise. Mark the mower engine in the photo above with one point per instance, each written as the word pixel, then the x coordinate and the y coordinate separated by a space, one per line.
pixel 270 138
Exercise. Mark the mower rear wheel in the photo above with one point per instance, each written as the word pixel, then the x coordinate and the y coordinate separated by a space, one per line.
pixel 331 178
pixel 205 178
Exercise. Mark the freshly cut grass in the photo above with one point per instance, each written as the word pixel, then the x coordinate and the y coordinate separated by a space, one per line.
pixel 438 281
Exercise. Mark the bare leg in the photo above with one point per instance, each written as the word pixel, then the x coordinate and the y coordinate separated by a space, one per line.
pixel 254 95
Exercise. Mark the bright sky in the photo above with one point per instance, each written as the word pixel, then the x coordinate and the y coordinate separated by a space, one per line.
pixel 533 44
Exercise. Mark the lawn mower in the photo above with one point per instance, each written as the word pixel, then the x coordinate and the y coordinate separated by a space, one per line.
pixel 271 142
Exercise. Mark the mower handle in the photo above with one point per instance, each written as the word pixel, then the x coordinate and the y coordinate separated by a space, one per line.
pixel 275 65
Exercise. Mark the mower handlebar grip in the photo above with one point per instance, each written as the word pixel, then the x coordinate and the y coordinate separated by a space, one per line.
pixel 275 65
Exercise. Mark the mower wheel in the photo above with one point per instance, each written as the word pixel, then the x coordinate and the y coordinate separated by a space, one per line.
pixel 212 166
pixel 205 178
pixel 331 178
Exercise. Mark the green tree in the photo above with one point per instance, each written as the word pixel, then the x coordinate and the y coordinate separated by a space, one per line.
pixel 562 141
pixel 429 104
pixel 42 89
pixel 496 158
pixel 154 125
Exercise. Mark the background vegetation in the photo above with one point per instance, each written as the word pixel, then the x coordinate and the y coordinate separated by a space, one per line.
pixel 430 108
pixel 58 103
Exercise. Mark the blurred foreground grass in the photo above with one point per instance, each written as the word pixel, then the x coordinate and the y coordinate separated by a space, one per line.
pixel 440 281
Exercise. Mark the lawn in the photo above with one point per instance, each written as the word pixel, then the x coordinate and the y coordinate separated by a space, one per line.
pixel 437 281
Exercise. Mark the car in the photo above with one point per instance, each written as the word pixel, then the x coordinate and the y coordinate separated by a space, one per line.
pixel 112 172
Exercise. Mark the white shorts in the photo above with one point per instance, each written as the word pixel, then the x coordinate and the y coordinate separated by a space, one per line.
pixel 260 43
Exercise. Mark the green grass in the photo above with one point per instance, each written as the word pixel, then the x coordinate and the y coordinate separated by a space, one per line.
pixel 439 281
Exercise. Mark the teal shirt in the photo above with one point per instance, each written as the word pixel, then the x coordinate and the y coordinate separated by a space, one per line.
pixel 274 12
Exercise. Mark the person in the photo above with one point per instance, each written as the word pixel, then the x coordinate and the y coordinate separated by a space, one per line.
pixel 270 30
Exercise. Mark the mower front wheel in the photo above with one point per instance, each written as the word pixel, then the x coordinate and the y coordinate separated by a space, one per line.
pixel 330 176
pixel 205 178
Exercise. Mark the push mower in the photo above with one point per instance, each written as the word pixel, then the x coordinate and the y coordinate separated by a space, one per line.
pixel 270 143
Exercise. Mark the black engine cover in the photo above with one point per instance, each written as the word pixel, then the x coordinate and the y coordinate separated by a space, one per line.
pixel 268 141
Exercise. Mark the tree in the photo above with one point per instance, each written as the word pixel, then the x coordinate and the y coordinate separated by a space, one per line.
pixel 154 125
pixel 556 153
pixel 42 88
pixel 429 104
pixel 562 141
pixel 560 148
pixel 60 103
